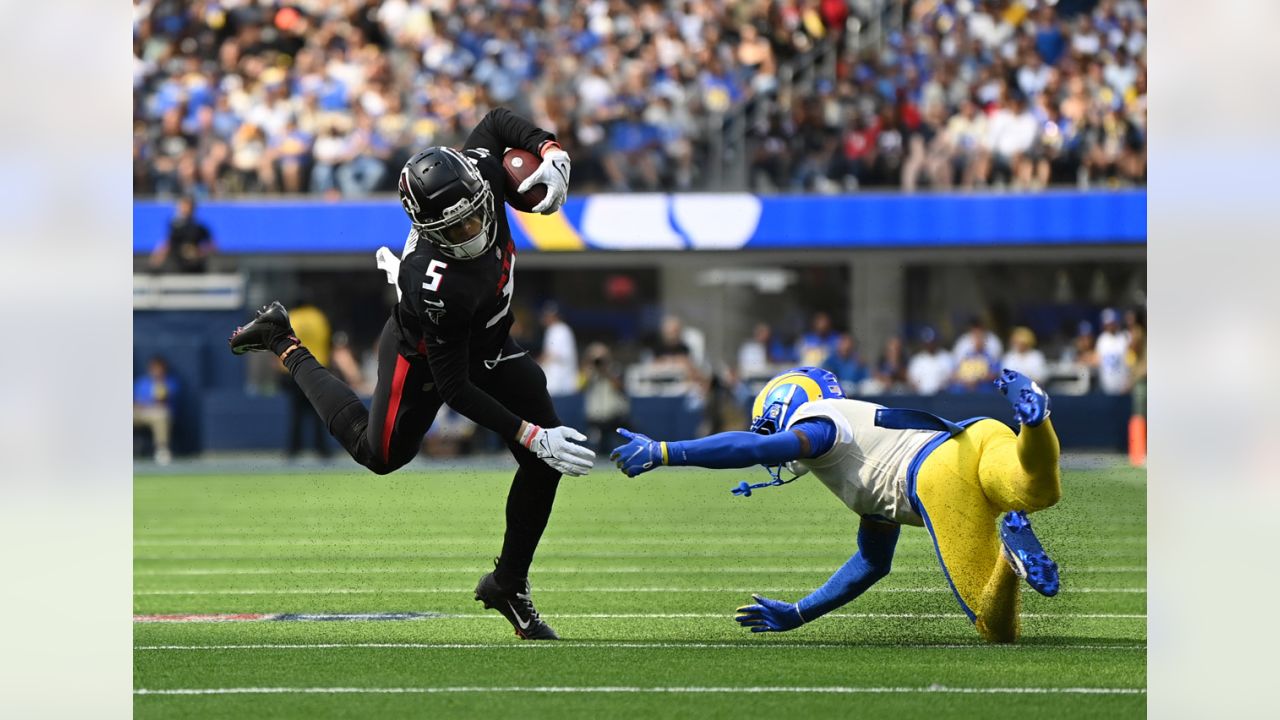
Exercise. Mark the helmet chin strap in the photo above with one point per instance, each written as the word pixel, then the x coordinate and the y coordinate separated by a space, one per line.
pixel 775 471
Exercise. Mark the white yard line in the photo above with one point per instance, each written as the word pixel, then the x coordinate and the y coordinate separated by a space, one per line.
pixel 809 555
pixel 840 690
pixel 723 616
pixel 381 540
pixel 471 570
pixel 753 646
pixel 461 590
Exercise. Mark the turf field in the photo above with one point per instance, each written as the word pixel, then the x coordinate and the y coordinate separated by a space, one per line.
pixel 640 577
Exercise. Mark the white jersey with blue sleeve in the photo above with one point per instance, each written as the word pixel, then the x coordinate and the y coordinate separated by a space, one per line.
pixel 867 466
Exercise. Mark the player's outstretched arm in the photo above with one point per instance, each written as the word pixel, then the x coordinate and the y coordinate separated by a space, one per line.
pixel 723 450
pixel 876 544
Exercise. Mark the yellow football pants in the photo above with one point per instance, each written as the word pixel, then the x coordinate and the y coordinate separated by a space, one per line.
pixel 963 487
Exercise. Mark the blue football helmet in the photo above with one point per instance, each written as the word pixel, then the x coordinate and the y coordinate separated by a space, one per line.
pixel 783 395
pixel 777 404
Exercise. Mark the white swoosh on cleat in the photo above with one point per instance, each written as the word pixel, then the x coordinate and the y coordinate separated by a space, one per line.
pixel 524 624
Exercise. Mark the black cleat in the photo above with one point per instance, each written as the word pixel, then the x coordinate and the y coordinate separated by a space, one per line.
pixel 516 607
pixel 271 323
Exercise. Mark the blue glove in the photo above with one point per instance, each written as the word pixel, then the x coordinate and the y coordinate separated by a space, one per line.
pixel 640 454
pixel 1030 403
pixel 769 615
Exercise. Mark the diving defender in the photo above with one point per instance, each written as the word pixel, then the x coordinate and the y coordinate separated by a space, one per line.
pixel 897 467
pixel 447 341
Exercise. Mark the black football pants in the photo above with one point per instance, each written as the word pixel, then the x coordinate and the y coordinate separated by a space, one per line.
pixel 389 434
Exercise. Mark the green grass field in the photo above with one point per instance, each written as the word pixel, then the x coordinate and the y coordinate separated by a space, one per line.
pixel 641 578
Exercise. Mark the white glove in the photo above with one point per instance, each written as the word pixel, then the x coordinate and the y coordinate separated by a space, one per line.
pixel 554 447
pixel 390 264
pixel 554 173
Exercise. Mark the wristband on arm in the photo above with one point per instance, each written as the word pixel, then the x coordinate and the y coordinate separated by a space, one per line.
pixel 528 432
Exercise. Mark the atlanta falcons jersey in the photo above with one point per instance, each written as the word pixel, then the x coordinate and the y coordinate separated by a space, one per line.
pixel 457 312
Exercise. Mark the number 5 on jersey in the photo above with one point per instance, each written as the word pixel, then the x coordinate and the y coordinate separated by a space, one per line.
pixel 433 276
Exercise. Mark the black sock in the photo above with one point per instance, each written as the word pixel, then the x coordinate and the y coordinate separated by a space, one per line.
pixel 533 492
pixel 280 343
pixel 344 415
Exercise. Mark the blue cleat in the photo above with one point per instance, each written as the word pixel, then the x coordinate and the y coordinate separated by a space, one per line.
pixel 1030 403
pixel 1026 556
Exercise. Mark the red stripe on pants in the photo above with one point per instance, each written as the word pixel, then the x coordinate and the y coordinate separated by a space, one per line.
pixel 393 405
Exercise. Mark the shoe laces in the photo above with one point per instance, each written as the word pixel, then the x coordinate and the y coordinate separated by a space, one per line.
pixel 524 603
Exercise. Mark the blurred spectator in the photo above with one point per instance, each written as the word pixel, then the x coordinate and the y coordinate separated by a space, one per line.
pixel 846 364
pixel 604 400
pixel 153 406
pixel 172 155
pixel 347 366
pixel 1023 356
pixel 962 143
pixel 559 359
pixel 1058 150
pixel 670 346
pixel 1011 136
pixel 890 373
pixel 978 339
pixel 1113 348
pixel 819 343
pixel 1080 356
pixel 311 326
pixel 188 245
pixel 755 56
pixel 328 152
pixel 975 366
pixel 926 156
pixel 288 157
pixel 931 367
pixel 1114 147
pixel 248 168
pixel 672 353
pixel 364 159
pixel 753 354
pixel 854 164
pixel 1081 349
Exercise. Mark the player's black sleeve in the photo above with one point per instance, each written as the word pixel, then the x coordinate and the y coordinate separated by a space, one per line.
pixel 501 129
pixel 449 358
pixel 441 316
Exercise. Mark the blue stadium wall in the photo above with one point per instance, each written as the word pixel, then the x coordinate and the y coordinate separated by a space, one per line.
pixel 216 414
pixel 734 221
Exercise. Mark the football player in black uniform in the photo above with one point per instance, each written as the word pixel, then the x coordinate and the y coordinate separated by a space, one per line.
pixel 447 342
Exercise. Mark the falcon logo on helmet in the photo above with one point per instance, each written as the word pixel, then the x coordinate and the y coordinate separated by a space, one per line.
pixel 407 200
pixel 449 203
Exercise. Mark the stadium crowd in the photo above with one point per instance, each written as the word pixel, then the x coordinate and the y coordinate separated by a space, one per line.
pixel 329 96
pixel 1110 361
pixel 973 93
pixel 325 96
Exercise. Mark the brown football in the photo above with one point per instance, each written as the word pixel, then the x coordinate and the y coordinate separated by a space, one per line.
pixel 519 165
